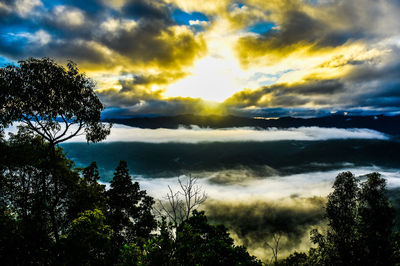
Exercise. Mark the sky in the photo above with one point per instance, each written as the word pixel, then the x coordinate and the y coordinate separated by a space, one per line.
pixel 250 58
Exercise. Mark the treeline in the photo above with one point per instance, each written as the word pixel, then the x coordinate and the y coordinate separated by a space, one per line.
pixel 55 214
pixel 52 213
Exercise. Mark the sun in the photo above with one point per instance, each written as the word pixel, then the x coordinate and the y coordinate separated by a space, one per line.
pixel 212 78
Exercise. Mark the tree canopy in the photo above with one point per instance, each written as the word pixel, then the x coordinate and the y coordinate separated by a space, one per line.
pixel 52 101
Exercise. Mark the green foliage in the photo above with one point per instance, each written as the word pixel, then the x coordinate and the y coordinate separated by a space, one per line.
pixel 88 240
pixel 30 190
pixel 295 259
pixel 158 250
pixel 196 243
pixel 131 254
pixel 213 245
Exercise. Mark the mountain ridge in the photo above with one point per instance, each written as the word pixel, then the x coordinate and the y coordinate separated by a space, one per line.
pixel 386 124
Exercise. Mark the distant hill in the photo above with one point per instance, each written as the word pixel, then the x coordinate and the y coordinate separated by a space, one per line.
pixel 385 124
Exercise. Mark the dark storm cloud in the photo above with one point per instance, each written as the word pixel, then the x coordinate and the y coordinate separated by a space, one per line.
pixel 371 84
pixel 135 91
pixel 279 112
pixel 142 32
pixel 152 43
pixel 337 94
pixel 149 9
pixel 284 94
pixel 170 106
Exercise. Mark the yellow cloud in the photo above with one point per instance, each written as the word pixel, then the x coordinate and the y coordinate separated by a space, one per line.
pixel 204 6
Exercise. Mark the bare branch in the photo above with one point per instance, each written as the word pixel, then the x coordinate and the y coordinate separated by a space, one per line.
pixel 178 206
pixel 50 137
pixel 72 134
pixel 275 246
pixel 67 125
pixel 32 127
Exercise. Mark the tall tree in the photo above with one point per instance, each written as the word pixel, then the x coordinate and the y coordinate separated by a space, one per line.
pixel 360 222
pixel 340 244
pixel 376 219
pixel 89 194
pixel 129 208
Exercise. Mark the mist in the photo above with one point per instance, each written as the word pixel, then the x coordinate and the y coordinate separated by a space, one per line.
pixel 257 208
pixel 195 134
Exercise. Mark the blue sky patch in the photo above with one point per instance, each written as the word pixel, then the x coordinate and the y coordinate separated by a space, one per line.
pixel 266 79
pixel 183 18
pixel 52 3
pixel 261 27
pixel 4 61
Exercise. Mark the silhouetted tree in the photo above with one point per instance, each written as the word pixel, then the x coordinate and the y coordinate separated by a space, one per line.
pixel 89 194
pixel 54 102
pixel 295 259
pixel 341 212
pixel 129 208
pixel 360 223
pixel 158 250
pixel 274 246
pixel 196 243
pixel 376 219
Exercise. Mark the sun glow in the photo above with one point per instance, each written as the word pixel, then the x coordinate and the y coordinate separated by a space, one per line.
pixel 212 78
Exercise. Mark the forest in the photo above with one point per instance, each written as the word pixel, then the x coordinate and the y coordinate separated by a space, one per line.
pixel 54 213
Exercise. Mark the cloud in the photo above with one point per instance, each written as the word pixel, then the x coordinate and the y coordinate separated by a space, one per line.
pixel 154 10
pixel 140 37
pixel 198 135
pixel 69 16
pixel 252 54
pixel 284 94
pixel 171 47
pixel 312 28
pixel 25 7
pixel 39 38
